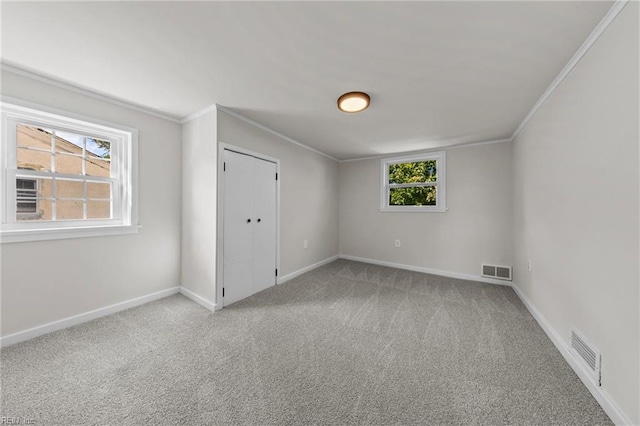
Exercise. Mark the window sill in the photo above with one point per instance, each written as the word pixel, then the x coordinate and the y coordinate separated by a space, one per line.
pixel 414 209
pixel 24 235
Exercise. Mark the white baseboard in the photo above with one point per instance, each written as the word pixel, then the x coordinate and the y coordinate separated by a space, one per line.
pixel 199 299
pixel 292 275
pixel 427 270
pixel 605 401
pixel 21 336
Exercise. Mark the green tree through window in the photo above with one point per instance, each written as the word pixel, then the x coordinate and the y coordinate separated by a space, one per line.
pixel 415 173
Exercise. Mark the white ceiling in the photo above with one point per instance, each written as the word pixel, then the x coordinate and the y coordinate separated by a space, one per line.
pixel 439 73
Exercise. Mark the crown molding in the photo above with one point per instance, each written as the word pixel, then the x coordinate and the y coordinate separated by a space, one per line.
pixel 198 114
pixel 67 86
pixel 273 132
pixel 590 41
pixel 425 151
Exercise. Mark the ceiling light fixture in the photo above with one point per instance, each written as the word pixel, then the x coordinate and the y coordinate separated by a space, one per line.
pixel 353 102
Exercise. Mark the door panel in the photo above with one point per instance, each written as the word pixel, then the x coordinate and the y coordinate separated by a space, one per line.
pixel 238 233
pixel 264 235
pixel 238 279
pixel 250 226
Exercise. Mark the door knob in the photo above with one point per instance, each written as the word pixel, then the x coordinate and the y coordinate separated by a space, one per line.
pixel 259 219
pixel 248 220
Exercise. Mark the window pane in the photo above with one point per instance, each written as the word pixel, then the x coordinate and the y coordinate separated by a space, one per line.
pixel 42 186
pixel 98 190
pixel 99 147
pixel 45 209
pixel 68 164
pixel 33 160
pixel 29 203
pixel 422 171
pixel 98 209
pixel 26 184
pixel 45 188
pixel 69 188
pixel 26 206
pixel 42 212
pixel 97 166
pixel 26 193
pixel 416 196
pixel 70 143
pixel 66 210
pixel 34 137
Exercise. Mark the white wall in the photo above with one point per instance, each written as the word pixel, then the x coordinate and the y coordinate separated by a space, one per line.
pixel 199 195
pixel 475 229
pixel 308 193
pixel 46 281
pixel 576 207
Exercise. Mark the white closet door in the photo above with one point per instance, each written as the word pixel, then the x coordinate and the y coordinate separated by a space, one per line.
pixel 264 235
pixel 249 226
pixel 238 227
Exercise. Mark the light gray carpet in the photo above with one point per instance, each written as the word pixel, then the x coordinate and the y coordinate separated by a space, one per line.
pixel 347 343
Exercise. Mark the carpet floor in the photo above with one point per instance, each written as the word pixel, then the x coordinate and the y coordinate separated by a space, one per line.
pixel 347 343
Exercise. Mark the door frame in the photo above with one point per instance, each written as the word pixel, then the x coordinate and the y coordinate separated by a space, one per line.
pixel 222 146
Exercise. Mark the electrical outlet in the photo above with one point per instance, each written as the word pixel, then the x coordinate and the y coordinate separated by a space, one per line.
pixel 397 243
pixel 305 244
pixel 529 265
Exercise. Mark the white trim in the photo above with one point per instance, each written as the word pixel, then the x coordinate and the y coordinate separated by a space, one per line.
pixel 40 330
pixel 105 98
pixel 273 132
pixel 222 146
pixel 44 234
pixel 413 209
pixel 218 284
pixel 440 272
pixel 198 114
pixel 288 277
pixel 430 150
pixel 590 41
pixel 603 398
pixel 240 150
pixel 200 300
pixel 20 105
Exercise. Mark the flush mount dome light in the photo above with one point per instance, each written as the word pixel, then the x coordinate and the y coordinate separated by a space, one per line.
pixel 353 102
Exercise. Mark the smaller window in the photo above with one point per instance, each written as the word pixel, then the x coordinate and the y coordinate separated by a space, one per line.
pixel 414 183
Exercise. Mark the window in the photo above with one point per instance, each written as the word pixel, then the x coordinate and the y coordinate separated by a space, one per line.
pixel 65 177
pixel 414 183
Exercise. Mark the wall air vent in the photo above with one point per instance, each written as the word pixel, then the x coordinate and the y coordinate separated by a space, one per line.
pixel 587 355
pixel 495 271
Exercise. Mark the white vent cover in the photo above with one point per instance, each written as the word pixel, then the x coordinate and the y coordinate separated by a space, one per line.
pixel 588 355
pixel 495 271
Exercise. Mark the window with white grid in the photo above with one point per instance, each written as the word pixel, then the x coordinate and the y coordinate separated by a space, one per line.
pixel 62 173
pixel 414 183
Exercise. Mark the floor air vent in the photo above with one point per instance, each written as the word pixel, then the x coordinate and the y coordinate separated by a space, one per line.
pixel 494 271
pixel 589 356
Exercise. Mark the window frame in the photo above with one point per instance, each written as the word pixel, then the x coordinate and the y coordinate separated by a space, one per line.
pixel 440 183
pixel 123 177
